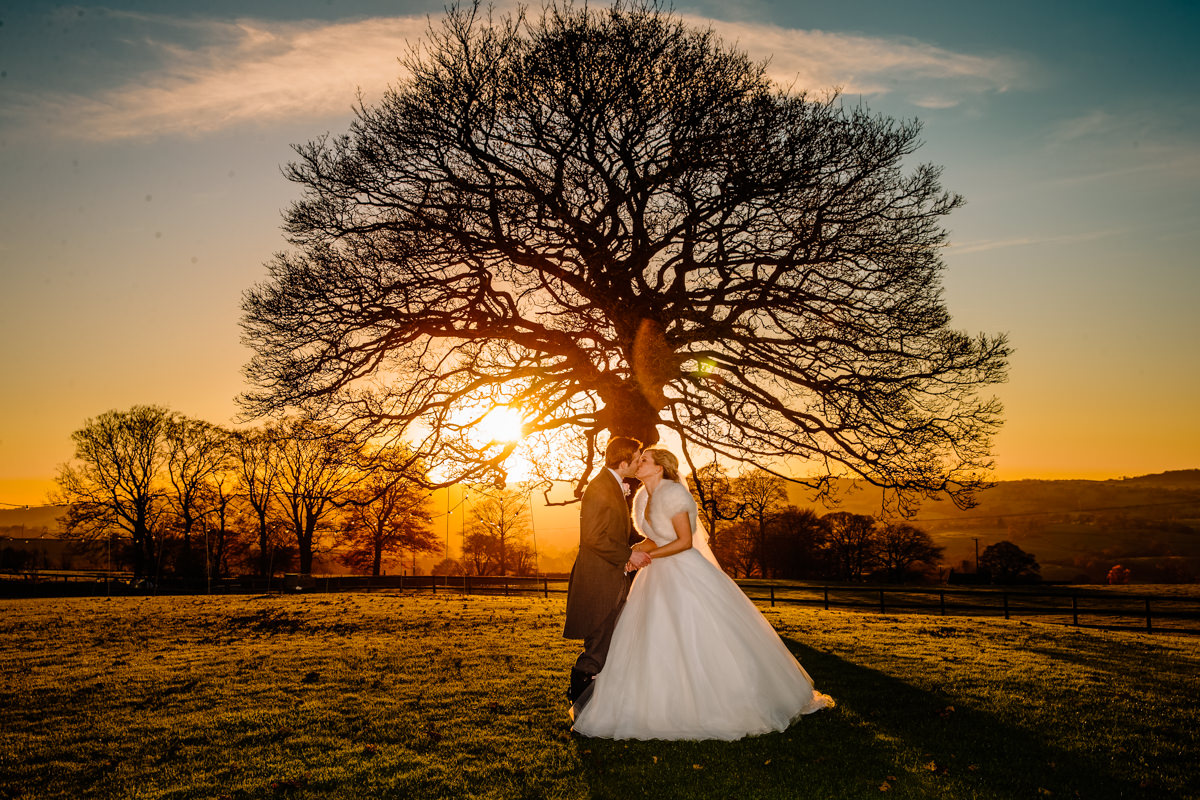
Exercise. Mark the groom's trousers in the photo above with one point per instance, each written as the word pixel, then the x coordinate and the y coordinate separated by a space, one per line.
pixel 595 644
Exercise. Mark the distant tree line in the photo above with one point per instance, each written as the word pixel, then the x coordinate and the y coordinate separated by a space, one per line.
pixel 176 496
pixel 182 497
pixel 755 532
pixel 14 559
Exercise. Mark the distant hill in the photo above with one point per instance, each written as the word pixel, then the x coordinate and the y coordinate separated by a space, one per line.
pixel 1163 495
pixel 1174 479
pixel 1077 529
pixel 32 519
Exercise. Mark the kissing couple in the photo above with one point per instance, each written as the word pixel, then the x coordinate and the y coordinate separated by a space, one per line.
pixel 672 647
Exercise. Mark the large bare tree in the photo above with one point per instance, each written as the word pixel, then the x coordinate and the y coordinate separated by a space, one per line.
pixel 614 221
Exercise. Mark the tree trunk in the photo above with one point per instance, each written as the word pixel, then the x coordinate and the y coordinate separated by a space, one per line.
pixel 305 542
pixel 139 554
pixel 264 558
pixel 185 559
pixel 627 412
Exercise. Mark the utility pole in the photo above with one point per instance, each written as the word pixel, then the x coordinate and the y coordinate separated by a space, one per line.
pixel 533 529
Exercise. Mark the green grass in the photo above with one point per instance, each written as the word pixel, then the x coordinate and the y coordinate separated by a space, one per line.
pixel 378 696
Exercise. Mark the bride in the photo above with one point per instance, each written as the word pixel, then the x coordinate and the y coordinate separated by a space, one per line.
pixel 691 656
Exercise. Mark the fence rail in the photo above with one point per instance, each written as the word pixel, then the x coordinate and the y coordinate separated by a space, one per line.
pixel 48 583
pixel 1154 613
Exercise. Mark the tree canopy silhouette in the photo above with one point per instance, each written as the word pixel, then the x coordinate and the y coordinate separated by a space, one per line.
pixel 611 220
pixel 115 482
pixel 1005 562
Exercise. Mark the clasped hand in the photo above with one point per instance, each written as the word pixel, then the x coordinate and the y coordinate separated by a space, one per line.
pixel 637 560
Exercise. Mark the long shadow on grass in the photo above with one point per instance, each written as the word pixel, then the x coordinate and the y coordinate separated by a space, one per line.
pixel 1139 660
pixel 884 736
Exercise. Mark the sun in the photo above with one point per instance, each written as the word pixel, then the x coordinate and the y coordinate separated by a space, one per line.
pixel 501 424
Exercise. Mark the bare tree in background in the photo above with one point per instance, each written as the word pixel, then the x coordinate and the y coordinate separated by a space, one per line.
pixel 258 458
pixel 761 494
pixel 228 509
pixel 851 544
pixel 195 452
pixel 738 548
pixel 904 549
pixel 615 222
pixel 388 512
pixel 480 555
pixel 717 504
pixel 317 467
pixel 499 523
pixel 116 481
pixel 798 544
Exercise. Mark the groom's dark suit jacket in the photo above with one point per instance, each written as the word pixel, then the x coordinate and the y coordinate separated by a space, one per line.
pixel 598 581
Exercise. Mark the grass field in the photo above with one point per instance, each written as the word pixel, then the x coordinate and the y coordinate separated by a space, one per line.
pixel 380 696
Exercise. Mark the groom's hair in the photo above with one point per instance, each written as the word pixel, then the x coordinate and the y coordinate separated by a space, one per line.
pixel 620 448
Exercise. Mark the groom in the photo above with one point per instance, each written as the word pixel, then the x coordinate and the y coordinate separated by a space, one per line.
pixel 599 583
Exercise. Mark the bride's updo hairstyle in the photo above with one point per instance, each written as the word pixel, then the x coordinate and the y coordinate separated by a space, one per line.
pixel 665 459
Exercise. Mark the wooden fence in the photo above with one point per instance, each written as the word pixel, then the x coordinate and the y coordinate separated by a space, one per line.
pixel 1154 613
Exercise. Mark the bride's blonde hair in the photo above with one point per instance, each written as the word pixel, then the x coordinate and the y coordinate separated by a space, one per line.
pixel 665 459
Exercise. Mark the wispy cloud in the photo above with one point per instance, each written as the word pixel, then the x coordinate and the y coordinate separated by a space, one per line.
pixel 1096 123
pixel 1100 145
pixel 924 74
pixel 983 245
pixel 248 72
pixel 263 72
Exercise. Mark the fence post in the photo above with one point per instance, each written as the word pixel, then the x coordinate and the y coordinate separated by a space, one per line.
pixel 826 598
pixel 1149 628
pixel 772 587
pixel 943 599
pixel 545 587
pixel 1005 596
pixel 881 601
pixel 467 583
pixel 433 583
pixel 1075 609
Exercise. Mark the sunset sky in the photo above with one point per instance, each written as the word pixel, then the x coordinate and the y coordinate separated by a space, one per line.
pixel 141 146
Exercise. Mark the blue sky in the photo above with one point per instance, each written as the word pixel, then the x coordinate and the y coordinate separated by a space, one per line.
pixel 141 146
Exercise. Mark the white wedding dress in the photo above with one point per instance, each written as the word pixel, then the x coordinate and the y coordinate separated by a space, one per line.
pixel 691 656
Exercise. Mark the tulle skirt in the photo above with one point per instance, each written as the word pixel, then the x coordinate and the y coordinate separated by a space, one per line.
pixel 693 658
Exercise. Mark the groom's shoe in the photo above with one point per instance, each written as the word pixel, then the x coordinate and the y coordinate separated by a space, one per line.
pixel 580 681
